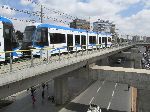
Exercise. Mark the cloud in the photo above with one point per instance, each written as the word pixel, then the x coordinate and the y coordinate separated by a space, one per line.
pixel 137 24
pixel 96 9
pixel 147 3
pixel 6 12
pixel 25 2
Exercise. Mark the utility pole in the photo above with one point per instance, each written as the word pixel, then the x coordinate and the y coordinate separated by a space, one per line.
pixel 41 16
pixel 127 38
pixel 90 23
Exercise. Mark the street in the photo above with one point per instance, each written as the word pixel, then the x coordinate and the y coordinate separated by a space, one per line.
pixel 108 95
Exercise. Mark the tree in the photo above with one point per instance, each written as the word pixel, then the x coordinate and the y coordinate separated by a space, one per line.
pixel 19 35
pixel 118 40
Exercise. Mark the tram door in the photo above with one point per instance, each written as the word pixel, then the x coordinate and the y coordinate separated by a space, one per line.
pixel 83 41
pixel 69 42
pixel 105 41
pixel 100 40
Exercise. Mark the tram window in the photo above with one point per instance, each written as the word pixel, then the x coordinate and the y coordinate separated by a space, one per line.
pixel 30 28
pixel 7 37
pixel 38 36
pixel 42 36
pixel 56 38
pixel 103 39
pixel 83 40
pixel 109 39
pixel 7 33
pixel 28 33
pixel 77 39
pixel 92 39
pixel 99 40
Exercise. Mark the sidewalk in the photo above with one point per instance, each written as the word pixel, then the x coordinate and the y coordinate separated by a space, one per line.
pixel 23 101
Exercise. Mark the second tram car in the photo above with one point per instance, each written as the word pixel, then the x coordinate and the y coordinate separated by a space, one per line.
pixel 59 39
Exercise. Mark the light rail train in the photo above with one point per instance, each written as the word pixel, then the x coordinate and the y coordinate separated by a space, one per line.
pixel 62 39
pixel 51 39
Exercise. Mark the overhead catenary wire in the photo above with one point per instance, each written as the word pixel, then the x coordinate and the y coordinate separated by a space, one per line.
pixel 68 16
pixel 21 11
pixel 37 13
pixel 22 20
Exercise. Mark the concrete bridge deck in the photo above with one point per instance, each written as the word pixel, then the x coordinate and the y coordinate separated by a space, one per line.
pixel 13 82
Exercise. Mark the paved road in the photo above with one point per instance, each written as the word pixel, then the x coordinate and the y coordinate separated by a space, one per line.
pixel 111 97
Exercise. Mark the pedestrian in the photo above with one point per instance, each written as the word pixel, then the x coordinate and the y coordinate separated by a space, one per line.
pixel 43 94
pixel 33 99
pixel 52 98
pixel 32 91
pixel 32 95
pixel 43 86
pixel 47 85
pixel 128 87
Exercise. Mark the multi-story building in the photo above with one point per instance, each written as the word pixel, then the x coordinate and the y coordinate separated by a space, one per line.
pixel 80 24
pixel 103 26
pixel 136 38
pixel 148 39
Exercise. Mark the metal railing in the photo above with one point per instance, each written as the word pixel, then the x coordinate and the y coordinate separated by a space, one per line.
pixel 48 58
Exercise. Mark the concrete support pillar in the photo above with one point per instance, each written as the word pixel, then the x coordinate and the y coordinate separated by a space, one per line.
pixel 137 63
pixel 143 100
pixel 137 57
pixel 61 90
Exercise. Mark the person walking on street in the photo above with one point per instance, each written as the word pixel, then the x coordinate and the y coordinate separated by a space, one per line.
pixel 33 99
pixel 43 86
pixel 128 87
pixel 43 94
pixel 47 86
pixel 52 99
pixel 32 95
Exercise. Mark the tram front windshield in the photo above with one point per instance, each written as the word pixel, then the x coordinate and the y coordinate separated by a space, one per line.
pixel 28 33
pixel 41 37
pixel 9 39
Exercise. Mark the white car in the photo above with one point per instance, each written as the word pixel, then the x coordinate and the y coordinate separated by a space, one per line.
pixel 119 61
pixel 94 108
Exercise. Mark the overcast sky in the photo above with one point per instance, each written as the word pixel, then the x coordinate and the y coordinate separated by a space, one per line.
pixel 130 16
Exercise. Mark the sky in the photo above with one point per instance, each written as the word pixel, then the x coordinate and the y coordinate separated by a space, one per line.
pixel 132 17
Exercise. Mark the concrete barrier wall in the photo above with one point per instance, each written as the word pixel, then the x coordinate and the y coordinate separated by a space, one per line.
pixel 138 78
